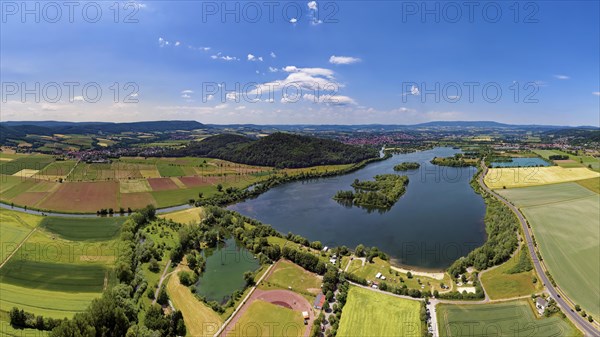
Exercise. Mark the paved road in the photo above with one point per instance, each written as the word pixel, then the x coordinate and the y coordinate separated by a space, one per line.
pixel 581 322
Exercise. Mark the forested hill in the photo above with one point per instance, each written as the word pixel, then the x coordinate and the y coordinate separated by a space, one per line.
pixel 280 150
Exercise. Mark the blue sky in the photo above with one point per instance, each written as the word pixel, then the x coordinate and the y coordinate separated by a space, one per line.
pixel 324 62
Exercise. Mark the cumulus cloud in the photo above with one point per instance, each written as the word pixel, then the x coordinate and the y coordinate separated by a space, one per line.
pixel 312 5
pixel 177 43
pixel 343 59
pixel 273 55
pixel 293 20
pixel 313 17
pixel 220 56
pixel 414 90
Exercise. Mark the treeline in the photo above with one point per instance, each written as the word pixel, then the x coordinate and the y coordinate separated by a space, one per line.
pixel 118 311
pixel 407 166
pixel 381 193
pixel 280 150
pixel 501 226
pixel 523 265
pixel 558 157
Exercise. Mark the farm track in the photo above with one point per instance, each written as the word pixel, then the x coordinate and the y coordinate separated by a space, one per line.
pixel 19 246
pixel 162 279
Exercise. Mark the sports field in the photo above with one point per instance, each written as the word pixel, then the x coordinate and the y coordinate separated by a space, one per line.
pixel 565 219
pixel 265 319
pixel 509 177
pixel 370 313
pixel 287 274
pixel 507 319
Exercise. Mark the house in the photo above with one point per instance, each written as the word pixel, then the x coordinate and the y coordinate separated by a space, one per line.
pixel 319 301
pixel 541 304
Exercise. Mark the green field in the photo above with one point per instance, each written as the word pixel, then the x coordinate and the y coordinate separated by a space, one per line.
pixel 32 162
pixel 268 320
pixel 84 229
pixel 170 170
pixel 574 160
pixel 591 184
pixel 15 226
pixel 515 318
pixel 370 313
pixel 567 234
pixel 49 275
pixel 499 283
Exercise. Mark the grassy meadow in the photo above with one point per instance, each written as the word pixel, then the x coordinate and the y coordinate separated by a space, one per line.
pixel 370 313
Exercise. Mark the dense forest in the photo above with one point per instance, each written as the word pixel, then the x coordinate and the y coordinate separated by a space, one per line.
pixel 281 150
pixel 381 193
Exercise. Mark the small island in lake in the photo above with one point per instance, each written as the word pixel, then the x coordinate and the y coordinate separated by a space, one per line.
pixel 407 166
pixel 456 161
pixel 381 193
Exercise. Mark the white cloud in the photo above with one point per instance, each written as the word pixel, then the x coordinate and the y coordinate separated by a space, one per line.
pixel 562 77
pixel 254 58
pixel 210 97
pixel 177 43
pixel 293 20
pixel 312 5
pixel 273 70
pixel 273 55
pixel 597 93
pixel 162 42
pixel 343 59
pixel 312 8
pixel 78 99
pixel 219 56
pixel 241 107
pixel 329 99
pixel 186 96
pixel 187 91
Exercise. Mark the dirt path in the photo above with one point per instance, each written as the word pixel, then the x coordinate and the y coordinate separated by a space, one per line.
pixel 160 282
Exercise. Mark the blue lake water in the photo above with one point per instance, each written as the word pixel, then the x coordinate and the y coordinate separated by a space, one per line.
pixel 437 220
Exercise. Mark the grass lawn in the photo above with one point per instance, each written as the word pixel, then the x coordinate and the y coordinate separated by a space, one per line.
pixel 510 177
pixel 515 318
pixel 84 229
pixel 287 274
pixel 498 283
pixel 269 320
pixel 200 320
pixel 393 277
pixel 370 313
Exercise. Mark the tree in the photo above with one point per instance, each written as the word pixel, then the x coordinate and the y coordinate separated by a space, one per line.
pixel 409 275
pixel 249 278
pixel 220 188
pixel 153 265
pixel 360 250
pixel 200 195
pixel 326 306
pixel 577 308
pixel 162 298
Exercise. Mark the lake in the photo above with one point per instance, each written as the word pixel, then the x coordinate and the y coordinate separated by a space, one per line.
pixel 437 220
pixel 522 162
pixel 225 268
